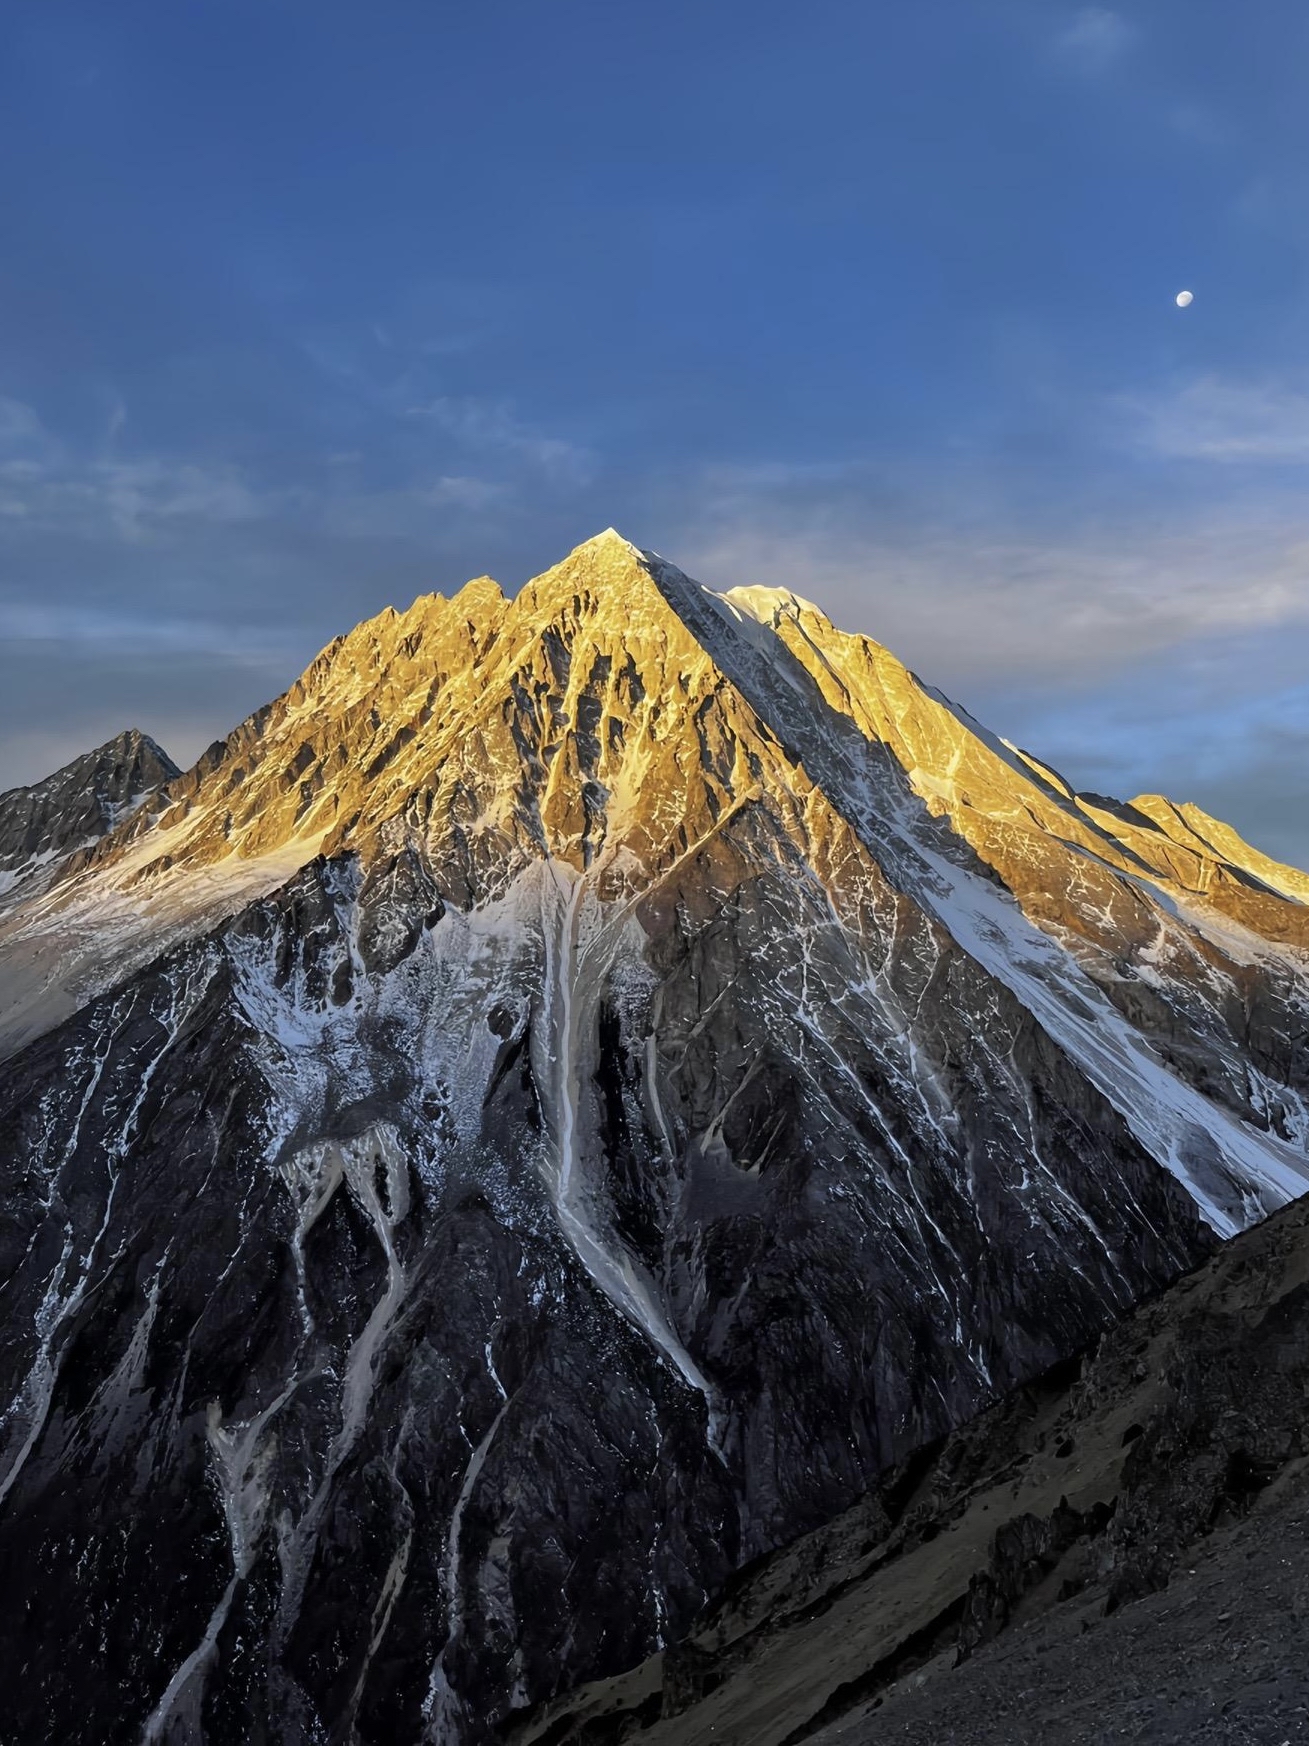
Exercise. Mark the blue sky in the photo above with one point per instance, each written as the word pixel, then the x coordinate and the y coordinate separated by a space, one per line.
pixel 307 307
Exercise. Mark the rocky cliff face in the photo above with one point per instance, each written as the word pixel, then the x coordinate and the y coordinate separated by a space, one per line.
pixel 1117 1550
pixel 554 1107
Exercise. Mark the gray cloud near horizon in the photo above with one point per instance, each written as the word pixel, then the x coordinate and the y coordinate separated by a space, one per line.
pixel 1217 419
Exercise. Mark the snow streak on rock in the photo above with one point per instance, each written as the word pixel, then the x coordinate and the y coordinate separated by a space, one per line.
pixel 580 946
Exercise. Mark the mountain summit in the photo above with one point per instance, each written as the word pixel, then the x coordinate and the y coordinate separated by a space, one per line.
pixel 553 1107
pixel 79 803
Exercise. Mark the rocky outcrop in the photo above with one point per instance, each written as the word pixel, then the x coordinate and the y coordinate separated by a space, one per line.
pixel 81 802
pixel 556 1105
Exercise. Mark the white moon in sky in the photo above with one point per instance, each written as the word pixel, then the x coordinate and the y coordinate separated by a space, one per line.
pixel 1183 298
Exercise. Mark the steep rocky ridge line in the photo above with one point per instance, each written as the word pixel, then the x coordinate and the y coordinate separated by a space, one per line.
pixel 1121 1058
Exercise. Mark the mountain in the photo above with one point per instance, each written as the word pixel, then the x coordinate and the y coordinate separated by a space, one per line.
pixel 555 1107
pixel 79 803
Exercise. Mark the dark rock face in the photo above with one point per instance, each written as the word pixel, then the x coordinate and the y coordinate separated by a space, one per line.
pixel 558 1115
pixel 1139 1511
pixel 356 1424
pixel 82 801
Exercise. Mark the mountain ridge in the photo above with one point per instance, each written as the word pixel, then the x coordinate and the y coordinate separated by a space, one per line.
pixel 581 1084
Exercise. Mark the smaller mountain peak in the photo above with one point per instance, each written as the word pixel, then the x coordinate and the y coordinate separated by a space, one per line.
pixel 768 604
pixel 82 800
pixel 134 742
pixel 484 590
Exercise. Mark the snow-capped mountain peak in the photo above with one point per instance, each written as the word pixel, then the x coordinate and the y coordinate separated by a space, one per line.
pixel 618 1042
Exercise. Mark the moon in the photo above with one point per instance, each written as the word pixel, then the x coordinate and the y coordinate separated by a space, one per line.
pixel 1184 298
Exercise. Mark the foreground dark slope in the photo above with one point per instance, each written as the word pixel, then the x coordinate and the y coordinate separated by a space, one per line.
pixel 1119 1551
pixel 687 1069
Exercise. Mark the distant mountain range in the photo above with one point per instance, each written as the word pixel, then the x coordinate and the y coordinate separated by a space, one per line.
pixel 561 1103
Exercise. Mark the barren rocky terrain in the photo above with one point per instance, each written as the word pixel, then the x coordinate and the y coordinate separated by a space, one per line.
pixel 1119 1552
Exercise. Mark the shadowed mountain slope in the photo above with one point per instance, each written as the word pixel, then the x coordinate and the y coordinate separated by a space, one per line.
pixel 1117 1550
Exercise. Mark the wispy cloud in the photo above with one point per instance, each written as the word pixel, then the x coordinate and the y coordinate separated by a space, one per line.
pixel 24 440
pixel 118 628
pixel 494 425
pixel 1143 658
pixel 460 491
pixel 1216 419
pixel 979 609
pixel 1094 39
pixel 134 499
pixel 136 493
pixel 45 482
pixel 1198 730
pixel 1197 123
